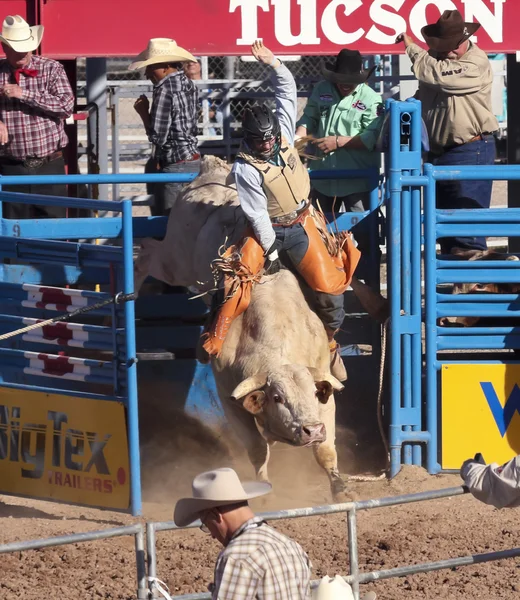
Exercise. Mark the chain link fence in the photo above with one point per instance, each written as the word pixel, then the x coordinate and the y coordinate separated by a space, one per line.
pixel 227 86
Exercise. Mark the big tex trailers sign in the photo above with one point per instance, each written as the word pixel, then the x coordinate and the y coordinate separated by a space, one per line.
pixel 228 27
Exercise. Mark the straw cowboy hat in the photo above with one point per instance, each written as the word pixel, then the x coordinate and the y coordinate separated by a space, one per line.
pixel 216 488
pixel 336 588
pixel 448 32
pixel 161 50
pixel 19 35
pixel 347 69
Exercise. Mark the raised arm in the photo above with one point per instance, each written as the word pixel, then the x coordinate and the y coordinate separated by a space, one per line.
pixel 284 89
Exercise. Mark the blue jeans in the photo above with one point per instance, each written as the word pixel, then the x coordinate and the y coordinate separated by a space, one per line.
pixel 292 244
pixel 465 194
pixel 166 193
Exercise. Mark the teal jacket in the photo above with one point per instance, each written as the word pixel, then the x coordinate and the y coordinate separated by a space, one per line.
pixel 328 113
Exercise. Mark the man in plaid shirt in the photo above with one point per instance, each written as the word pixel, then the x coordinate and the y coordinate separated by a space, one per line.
pixel 35 99
pixel 257 561
pixel 171 124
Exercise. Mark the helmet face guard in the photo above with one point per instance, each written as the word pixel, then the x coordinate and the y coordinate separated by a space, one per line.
pixel 262 133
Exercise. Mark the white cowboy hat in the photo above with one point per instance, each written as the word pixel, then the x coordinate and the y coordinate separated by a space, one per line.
pixel 336 588
pixel 216 488
pixel 161 50
pixel 19 35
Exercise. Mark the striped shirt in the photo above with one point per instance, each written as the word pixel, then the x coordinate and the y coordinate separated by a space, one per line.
pixel 35 121
pixel 173 119
pixel 259 562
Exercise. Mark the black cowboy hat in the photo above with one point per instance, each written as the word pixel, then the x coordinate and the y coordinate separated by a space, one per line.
pixel 348 68
pixel 449 32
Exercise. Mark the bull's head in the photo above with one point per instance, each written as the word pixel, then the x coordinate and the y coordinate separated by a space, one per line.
pixel 286 403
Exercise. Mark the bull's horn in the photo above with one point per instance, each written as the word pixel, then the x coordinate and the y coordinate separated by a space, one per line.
pixel 324 376
pixel 249 385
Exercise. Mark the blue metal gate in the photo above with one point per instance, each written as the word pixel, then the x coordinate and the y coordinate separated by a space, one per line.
pixel 85 359
pixel 414 375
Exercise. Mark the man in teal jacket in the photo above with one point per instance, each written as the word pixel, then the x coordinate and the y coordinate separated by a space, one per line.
pixel 344 116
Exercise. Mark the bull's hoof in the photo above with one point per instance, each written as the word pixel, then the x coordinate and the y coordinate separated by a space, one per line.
pixel 340 493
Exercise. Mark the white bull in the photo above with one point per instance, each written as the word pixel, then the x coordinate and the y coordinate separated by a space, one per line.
pixel 273 374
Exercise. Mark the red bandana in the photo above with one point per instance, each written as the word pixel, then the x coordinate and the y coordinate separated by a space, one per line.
pixel 26 72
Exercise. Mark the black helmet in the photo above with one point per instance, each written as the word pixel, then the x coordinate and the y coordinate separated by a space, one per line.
pixel 259 125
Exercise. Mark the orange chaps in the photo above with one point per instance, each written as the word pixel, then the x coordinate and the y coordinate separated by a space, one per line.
pixel 243 264
pixel 328 267
pixel 322 270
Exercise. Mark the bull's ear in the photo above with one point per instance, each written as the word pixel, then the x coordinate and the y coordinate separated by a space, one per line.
pixel 250 384
pixel 323 391
pixel 324 376
pixel 254 402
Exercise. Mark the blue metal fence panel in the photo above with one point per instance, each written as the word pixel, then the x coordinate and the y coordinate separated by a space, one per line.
pixel 406 178
pixel 36 360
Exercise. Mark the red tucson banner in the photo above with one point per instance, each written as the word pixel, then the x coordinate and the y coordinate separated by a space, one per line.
pixel 227 27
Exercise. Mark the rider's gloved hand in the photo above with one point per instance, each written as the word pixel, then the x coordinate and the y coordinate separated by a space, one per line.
pixel 272 262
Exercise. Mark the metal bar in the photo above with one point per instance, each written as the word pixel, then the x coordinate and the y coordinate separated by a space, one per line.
pixel 406 282
pixel 416 308
pixel 96 77
pixel 474 173
pixel 41 200
pixel 482 274
pixel 131 372
pixel 145 178
pixel 438 565
pixel 394 262
pixel 476 264
pixel 479 215
pixel 492 342
pixel 476 229
pixel 329 509
pixel 142 590
pixel 353 551
pixel 151 557
pixel 74 538
pixel 116 144
pixel 477 298
pixel 430 319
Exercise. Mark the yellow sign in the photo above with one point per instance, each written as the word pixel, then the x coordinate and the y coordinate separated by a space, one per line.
pixel 480 413
pixel 59 447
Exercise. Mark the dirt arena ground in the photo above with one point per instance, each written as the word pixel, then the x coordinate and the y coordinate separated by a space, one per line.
pixel 388 537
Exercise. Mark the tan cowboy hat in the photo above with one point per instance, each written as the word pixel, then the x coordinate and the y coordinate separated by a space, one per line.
pixel 161 50
pixel 216 488
pixel 336 588
pixel 448 32
pixel 19 35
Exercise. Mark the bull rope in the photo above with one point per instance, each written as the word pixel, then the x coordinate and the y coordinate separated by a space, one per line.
pixel 117 299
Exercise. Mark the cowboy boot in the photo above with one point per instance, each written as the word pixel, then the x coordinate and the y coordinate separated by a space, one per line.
pixel 337 366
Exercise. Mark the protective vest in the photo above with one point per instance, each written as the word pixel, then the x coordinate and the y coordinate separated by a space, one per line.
pixel 285 186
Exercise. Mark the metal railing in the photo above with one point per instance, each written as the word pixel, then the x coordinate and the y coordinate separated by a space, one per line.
pixel 355 576
pixel 136 530
pixel 146 569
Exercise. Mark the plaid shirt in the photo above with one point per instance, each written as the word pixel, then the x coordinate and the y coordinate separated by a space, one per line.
pixel 173 119
pixel 259 562
pixel 35 122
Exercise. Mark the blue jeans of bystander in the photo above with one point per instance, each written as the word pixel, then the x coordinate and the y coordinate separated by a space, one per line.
pixel 465 194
